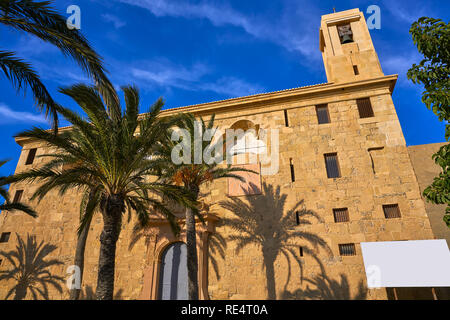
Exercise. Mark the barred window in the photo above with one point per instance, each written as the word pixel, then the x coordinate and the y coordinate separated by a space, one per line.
pixel 341 215
pixel 4 237
pixel 364 108
pixel 391 211
pixel 347 249
pixel 18 196
pixel 331 162
pixel 322 114
pixel 31 155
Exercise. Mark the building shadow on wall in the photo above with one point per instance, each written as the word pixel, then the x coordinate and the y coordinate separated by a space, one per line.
pixel 30 269
pixel 261 220
pixel 324 288
pixel 89 294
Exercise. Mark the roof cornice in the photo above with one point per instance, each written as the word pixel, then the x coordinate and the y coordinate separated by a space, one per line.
pixel 211 107
pixel 264 98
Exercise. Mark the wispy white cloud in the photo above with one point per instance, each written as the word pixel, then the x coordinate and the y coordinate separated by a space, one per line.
pixel 284 30
pixel 28 47
pixel 116 21
pixel 217 15
pixel 407 12
pixel 232 87
pixel 8 115
pixel 163 74
pixel 44 59
pixel 62 74
pixel 400 64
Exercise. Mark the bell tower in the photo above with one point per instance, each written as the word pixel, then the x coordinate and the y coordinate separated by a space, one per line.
pixel 347 49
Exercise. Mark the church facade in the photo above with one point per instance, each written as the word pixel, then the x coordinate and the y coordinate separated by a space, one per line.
pixel 344 176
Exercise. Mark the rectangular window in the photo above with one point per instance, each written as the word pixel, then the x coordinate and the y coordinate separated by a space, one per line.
pixel 391 211
pixel 331 162
pixel 341 215
pixel 4 237
pixel 297 218
pixel 300 251
pixel 355 70
pixel 291 164
pixel 364 108
pixel 347 249
pixel 31 155
pixel 18 196
pixel 286 118
pixel 322 114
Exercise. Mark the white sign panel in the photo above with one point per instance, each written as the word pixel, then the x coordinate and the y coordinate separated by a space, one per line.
pixel 414 263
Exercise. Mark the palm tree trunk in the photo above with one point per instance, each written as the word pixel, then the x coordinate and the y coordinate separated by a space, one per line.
pixel 112 221
pixel 192 259
pixel 270 277
pixel 21 291
pixel 79 259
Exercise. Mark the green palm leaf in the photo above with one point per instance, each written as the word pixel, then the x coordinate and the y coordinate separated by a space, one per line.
pixel 39 19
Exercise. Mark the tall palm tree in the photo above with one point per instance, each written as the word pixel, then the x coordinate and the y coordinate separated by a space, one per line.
pixel 108 160
pixel 265 222
pixel 39 19
pixel 191 176
pixel 12 206
pixel 30 269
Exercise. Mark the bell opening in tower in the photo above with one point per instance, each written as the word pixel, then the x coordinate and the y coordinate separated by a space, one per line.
pixel 345 33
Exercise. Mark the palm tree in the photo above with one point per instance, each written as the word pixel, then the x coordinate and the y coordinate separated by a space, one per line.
pixel 39 19
pixel 262 221
pixel 30 269
pixel 107 158
pixel 8 205
pixel 328 289
pixel 192 176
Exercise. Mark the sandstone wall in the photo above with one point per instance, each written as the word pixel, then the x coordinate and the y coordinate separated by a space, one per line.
pixel 242 275
pixel 426 169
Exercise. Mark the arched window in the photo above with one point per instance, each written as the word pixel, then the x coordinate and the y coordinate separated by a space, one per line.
pixel 173 279
pixel 246 141
pixel 246 146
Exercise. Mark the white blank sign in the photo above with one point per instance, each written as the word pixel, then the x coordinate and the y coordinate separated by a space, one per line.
pixel 415 263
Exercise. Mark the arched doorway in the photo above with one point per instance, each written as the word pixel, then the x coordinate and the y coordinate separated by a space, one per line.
pixel 173 279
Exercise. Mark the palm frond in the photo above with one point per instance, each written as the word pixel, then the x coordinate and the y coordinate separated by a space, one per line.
pixel 21 75
pixel 42 21
pixel 18 207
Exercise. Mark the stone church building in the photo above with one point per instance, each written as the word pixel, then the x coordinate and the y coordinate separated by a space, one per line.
pixel 345 176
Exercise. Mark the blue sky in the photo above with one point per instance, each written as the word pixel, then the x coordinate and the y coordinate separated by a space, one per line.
pixel 191 52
